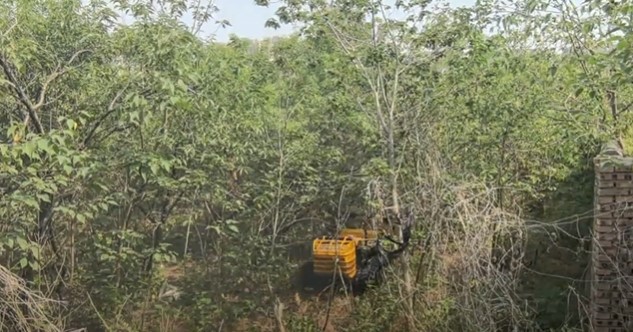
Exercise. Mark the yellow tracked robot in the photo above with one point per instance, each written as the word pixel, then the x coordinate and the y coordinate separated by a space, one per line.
pixel 354 257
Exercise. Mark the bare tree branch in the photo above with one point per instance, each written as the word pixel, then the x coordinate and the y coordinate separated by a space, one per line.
pixel 58 72
pixel 22 96
pixel 111 109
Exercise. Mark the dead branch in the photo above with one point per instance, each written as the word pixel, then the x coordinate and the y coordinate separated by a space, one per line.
pixel 23 308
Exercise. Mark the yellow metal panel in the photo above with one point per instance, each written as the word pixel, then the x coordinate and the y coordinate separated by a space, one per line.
pixel 368 234
pixel 360 236
pixel 326 251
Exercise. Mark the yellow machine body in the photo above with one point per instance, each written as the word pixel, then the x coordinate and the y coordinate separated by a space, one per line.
pixel 360 236
pixel 325 252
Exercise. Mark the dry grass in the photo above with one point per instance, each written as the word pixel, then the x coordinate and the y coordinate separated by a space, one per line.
pixel 468 257
pixel 21 309
pixel 476 250
pixel 488 260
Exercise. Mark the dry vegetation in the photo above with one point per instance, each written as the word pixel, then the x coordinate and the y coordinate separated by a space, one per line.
pixel 23 309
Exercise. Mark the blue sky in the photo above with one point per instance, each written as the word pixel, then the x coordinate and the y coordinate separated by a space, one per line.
pixel 247 20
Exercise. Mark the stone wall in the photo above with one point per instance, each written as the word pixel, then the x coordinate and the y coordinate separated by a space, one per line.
pixel 611 294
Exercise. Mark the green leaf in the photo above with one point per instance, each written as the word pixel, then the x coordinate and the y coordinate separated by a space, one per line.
pixel 44 198
pixel 31 202
pixel 29 149
pixel 22 243
pixel 34 265
pixel 71 124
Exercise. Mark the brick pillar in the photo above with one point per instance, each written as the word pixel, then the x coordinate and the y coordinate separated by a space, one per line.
pixel 611 308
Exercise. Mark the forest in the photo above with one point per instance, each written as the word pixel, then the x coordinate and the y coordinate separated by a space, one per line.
pixel 154 179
